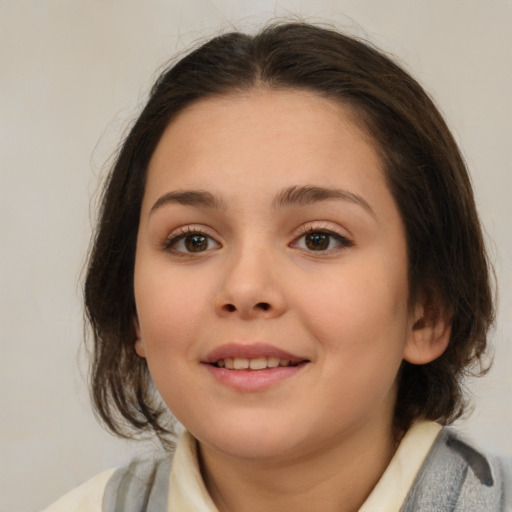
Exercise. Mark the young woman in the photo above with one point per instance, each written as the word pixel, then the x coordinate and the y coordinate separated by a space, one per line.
pixel 289 259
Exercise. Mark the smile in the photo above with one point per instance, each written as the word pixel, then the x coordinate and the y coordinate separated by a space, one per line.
pixel 258 363
pixel 253 367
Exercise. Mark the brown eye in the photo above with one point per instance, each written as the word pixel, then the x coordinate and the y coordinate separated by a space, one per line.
pixel 321 240
pixel 191 243
pixel 317 241
pixel 196 243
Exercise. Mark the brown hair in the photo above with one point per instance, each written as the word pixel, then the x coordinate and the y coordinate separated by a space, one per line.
pixel 425 172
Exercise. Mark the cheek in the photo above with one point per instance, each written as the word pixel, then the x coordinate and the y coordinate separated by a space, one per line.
pixel 361 315
pixel 360 324
pixel 170 309
pixel 170 312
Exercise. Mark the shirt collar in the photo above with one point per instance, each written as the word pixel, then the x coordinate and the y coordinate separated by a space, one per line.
pixel 189 493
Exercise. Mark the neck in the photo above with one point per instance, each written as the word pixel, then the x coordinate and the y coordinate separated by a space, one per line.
pixel 339 474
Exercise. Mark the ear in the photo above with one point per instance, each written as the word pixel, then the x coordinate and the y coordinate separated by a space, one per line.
pixel 139 345
pixel 429 333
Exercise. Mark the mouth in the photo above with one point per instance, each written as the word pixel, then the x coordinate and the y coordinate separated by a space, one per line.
pixel 254 367
pixel 254 356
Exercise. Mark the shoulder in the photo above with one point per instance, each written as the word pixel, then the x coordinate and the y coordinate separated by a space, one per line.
pixel 458 476
pixel 88 497
pixel 143 484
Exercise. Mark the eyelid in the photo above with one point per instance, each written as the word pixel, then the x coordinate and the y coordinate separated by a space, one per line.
pixel 182 232
pixel 326 228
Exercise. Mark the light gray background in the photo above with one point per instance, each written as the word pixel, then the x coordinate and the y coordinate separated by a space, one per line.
pixel 72 76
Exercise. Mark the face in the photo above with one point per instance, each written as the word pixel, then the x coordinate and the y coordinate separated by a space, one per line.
pixel 271 275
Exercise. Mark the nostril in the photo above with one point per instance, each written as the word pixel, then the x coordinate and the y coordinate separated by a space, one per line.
pixel 261 306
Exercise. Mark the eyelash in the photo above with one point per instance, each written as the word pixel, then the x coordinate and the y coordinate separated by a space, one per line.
pixel 343 241
pixel 183 233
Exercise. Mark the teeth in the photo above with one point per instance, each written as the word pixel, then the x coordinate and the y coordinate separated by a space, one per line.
pixel 258 363
pixel 240 364
pixel 273 362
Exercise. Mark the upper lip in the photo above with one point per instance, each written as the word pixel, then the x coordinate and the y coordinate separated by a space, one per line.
pixel 250 351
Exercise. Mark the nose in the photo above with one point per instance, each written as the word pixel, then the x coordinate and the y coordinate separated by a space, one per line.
pixel 251 287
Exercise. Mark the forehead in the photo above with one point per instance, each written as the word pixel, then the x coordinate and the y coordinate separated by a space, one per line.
pixel 262 141
pixel 264 113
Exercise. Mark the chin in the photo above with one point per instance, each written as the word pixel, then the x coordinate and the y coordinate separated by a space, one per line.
pixel 252 440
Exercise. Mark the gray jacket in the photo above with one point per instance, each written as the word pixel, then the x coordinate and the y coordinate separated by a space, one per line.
pixel 454 478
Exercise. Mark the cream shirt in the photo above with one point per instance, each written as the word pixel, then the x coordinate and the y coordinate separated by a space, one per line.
pixel 189 493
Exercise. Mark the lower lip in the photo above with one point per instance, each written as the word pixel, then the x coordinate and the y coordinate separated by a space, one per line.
pixel 254 380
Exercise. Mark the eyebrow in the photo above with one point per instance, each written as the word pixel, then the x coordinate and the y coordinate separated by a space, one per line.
pixel 292 196
pixel 200 198
pixel 303 196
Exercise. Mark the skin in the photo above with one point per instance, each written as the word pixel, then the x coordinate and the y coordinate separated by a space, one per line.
pixel 325 432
